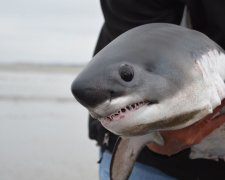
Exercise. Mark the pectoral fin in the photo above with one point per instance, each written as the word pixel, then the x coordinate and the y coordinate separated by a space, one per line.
pixel 126 152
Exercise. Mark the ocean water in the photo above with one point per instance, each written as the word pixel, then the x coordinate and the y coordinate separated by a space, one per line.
pixel 43 130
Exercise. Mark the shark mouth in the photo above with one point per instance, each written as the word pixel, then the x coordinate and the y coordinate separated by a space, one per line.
pixel 121 113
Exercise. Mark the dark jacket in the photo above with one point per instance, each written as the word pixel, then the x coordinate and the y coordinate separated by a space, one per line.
pixel 208 17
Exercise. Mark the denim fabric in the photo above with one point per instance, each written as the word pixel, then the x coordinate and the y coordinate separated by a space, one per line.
pixel 140 171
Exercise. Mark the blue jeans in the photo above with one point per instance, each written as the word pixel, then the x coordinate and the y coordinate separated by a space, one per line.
pixel 140 171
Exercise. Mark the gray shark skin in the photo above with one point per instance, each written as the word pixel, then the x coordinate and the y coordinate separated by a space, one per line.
pixel 154 77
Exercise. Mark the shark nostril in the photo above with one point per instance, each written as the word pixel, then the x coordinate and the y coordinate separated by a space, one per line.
pixel 88 95
pixel 126 72
pixel 92 98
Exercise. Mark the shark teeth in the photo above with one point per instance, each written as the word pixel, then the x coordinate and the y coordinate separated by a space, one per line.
pixel 120 114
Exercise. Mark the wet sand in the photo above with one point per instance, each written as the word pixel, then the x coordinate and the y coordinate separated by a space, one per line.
pixel 43 130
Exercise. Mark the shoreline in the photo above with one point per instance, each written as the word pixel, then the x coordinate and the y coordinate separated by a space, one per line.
pixel 48 68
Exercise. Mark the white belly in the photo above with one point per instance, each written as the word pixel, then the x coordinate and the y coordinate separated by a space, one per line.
pixel 212 147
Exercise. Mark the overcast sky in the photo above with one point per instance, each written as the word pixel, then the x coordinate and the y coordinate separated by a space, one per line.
pixel 48 31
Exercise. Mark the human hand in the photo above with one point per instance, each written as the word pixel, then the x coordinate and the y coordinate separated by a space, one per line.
pixel 178 140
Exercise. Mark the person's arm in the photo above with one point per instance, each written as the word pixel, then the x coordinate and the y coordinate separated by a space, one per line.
pixel 178 140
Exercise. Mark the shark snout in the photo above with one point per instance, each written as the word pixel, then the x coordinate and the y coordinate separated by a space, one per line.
pixel 88 95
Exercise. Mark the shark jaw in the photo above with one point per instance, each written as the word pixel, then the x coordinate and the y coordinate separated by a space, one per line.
pixel 132 116
pixel 128 110
pixel 125 109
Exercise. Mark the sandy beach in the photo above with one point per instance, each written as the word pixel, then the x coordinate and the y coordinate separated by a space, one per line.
pixel 43 130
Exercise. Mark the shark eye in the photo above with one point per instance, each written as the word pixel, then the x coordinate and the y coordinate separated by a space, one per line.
pixel 126 72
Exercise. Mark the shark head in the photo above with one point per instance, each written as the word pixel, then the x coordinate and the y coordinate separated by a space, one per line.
pixel 121 95
pixel 145 79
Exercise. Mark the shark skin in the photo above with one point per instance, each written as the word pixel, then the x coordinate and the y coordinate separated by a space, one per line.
pixel 152 78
